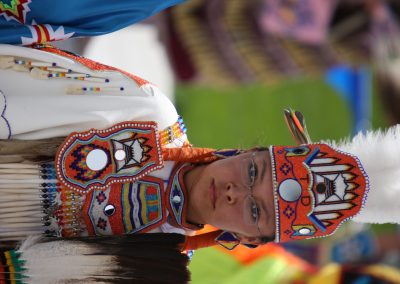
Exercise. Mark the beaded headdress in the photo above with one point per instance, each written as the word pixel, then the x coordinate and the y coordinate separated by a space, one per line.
pixel 316 187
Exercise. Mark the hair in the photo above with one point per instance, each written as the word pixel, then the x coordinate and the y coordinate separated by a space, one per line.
pixel 143 258
pixel 267 239
pixel 259 149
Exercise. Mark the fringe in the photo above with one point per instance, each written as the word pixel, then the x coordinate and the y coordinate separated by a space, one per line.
pixel 149 258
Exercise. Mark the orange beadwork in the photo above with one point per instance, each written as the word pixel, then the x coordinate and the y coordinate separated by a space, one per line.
pixel 68 214
pixel 74 172
pixel 169 134
pixel 316 189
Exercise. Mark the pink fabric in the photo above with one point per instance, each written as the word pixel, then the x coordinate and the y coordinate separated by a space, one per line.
pixel 303 20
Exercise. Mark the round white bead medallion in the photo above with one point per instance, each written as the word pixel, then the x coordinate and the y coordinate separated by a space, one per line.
pixel 96 160
pixel 120 155
pixel 290 190
pixel 304 231
pixel 176 199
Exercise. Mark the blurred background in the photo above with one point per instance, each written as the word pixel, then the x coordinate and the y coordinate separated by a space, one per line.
pixel 231 66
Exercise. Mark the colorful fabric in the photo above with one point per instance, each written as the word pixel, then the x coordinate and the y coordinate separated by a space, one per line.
pixel 97 158
pixel 39 21
pixel 316 189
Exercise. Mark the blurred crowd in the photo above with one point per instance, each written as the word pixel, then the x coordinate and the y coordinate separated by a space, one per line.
pixel 239 41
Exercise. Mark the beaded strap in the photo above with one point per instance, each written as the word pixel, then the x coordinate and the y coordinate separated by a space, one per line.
pixel 169 134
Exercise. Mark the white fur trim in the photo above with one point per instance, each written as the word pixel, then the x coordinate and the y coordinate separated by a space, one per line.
pixel 379 153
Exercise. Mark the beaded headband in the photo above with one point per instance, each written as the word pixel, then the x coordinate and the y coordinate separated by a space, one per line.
pixel 316 187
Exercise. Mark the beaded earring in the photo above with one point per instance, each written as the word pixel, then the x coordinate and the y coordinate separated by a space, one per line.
pixel 227 240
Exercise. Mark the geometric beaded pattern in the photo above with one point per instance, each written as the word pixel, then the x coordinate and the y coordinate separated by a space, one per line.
pixel 95 159
pixel 169 134
pixel 316 189
pixel 61 206
pixel 175 194
pixel 12 268
pixel 15 10
pixel 125 208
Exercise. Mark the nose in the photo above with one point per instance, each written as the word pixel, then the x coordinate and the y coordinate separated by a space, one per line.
pixel 233 193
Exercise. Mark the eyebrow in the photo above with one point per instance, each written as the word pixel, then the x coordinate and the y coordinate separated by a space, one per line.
pixel 261 179
pixel 264 165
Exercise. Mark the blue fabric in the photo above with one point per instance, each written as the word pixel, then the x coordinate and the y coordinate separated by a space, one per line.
pixel 38 21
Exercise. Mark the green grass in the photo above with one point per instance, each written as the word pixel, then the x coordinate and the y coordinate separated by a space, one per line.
pixel 246 116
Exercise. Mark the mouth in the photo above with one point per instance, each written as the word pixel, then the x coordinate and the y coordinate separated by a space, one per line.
pixel 212 194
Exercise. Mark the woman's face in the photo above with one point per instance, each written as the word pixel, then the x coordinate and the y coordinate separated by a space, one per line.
pixel 221 196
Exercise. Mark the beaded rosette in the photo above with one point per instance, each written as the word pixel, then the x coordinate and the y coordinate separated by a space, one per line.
pixel 316 189
pixel 96 159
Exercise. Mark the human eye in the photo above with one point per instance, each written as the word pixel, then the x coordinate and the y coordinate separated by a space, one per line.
pixel 251 211
pixel 252 171
pixel 254 212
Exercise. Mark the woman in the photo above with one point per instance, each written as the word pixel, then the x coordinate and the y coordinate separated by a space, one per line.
pixel 127 168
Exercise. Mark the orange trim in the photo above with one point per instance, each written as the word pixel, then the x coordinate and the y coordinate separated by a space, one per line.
pixel 189 154
pixel 201 241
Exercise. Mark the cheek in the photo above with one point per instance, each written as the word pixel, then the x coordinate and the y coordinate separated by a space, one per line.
pixel 228 217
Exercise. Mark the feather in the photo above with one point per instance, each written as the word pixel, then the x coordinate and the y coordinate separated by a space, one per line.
pixel 379 153
pixel 147 258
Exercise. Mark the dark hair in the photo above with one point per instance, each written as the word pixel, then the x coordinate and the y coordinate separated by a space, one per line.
pixel 146 258
pixel 143 258
pixel 267 239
